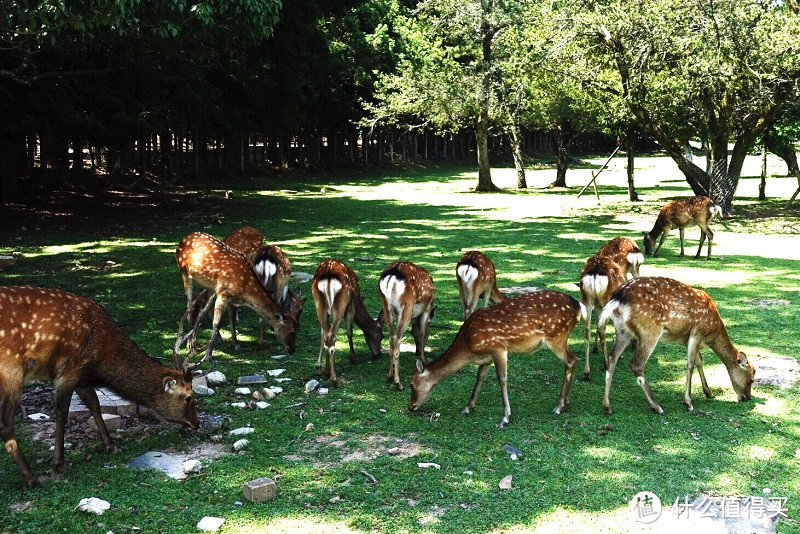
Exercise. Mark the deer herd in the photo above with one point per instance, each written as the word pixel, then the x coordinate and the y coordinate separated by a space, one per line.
pixel 48 334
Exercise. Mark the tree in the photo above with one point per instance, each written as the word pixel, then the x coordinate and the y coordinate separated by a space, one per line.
pixel 721 71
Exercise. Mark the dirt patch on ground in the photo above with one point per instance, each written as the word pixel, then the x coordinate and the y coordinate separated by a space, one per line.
pixel 339 448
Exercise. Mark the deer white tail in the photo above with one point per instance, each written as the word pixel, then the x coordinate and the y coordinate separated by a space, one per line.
pixel 635 259
pixel 266 270
pixel 329 287
pixel 595 284
pixel 393 288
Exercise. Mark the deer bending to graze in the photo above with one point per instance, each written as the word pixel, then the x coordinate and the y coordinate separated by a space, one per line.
pixel 600 277
pixel 520 324
pixel 211 264
pixel 625 253
pixel 476 278
pixel 407 296
pixel 649 308
pixel 48 334
pixel 683 213
pixel 337 297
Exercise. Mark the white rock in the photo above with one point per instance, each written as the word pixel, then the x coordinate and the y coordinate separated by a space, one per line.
pixel 276 372
pixel 311 385
pixel 243 431
pixel 505 483
pixel 322 391
pixel 93 505
pixel 39 417
pixel 210 524
pixel 240 444
pixel 261 405
pixel 216 378
pixel 203 390
pixel 192 466
pixel 242 391
pixel 279 356
pixel 282 380
pixel 239 404
pixel 425 465
pixel 267 393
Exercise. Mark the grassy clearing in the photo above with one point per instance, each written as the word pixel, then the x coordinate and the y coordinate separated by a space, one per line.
pixel 577 471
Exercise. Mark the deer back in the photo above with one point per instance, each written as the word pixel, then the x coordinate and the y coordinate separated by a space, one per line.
pixel 246 240
pixel 624 252
pixel 404 284
pixel 600 277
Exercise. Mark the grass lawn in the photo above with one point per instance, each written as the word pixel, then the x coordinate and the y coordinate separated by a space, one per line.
pixel 577 471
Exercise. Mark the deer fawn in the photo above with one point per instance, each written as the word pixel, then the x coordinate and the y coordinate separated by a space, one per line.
pixel 211 264
pixel 337 297
pixel 600 277
pixel 520 324
pixel 681 214
pixel 648 308
pixel 407 296
pixel 47 334
pixel 476 279
pixel 624 252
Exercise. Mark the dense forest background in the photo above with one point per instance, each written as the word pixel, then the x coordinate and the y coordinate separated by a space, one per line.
pixel 181 90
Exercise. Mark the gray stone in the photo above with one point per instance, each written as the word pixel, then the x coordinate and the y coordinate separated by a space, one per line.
pixel 203 390
pixel 240 444
pixel 243 431
pixel 311 385
pixel 242 391
pixel 260 489
pixel 93 505
pixel 6 262
pixel 167 463
pixel 251 379
pixel 192 466
pixel 210 524
pixel 780 371
pixel 112 421
pixel 215 378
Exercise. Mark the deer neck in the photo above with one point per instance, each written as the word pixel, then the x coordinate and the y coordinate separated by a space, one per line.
pixel 454 358
pixel 723 347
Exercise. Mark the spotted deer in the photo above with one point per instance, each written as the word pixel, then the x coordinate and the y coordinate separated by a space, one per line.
pixel 49 334
pixel 625 253
pixel 683 213
pixel 519 324
pixel 600 277
pixel 337 297
pixel 476 279
pixel 650 308
pixel 227 274
pixel 406 292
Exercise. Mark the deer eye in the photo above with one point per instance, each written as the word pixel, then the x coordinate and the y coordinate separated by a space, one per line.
pixel 189 399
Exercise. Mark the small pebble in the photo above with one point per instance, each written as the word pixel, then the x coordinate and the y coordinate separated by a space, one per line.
pixel 240 444
pixel 242 391
pixel 210 524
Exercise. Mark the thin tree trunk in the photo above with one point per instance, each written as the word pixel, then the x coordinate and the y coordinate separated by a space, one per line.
pixel 564 135
pixel 762 185
pixel 515 139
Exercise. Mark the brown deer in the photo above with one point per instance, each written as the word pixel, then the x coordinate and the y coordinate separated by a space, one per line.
pixel 683 213
pixel 213 265
pixel 600 277
pixel 48 334
pixel 337 297
pixel 519 324
pixel 476 279
pixel 625 253
pixel 407 296
pixel 649 308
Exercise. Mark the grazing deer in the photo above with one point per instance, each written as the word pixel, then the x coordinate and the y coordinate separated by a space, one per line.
pixel 649 308
pixel 625 253
pixel 520 324
pixel 476 279
pixel 246 240
pixel 337 297
pixel 600 277
pixel 407 296
pixel 681 214
pixel 213 265
pixel 48 334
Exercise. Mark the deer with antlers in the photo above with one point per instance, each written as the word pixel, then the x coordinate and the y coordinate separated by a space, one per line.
pixel 683 213
pixel 406 292
pixel 231 277
pixel 337 297
pixel 476 279
pixel 520 324
pixel 48 334
pixel 651 308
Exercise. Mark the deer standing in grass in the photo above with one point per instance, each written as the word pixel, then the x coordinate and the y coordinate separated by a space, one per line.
pixel 520 324
pixel 649 308
pixel 600 277
pixel 625 253
pixel 407 297
pixel 476 278
pixel 213 265
pixel 337 297
pixel 48 334
pixel 681 214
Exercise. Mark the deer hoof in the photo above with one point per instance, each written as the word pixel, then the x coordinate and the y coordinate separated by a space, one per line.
pixel 585 377
pixel 398 386
pixel 466 411
pixel 503 423
pixel 318 370
pixel 659 410
pixel 607 410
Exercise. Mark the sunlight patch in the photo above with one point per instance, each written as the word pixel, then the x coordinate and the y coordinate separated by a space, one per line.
pixel 306 524
pixel 772 407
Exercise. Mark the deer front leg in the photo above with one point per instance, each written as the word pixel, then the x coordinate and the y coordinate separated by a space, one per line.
pixel 569 360
pixel 419 331
pixel 501 367
pixel 219 309
pixel 349 325
pixel 710 235
pixel 623 338
pixel 478 382
pixel 644 348
pixel 394 340
pixel 63 393
pixel 7 434
pixel 661 242
pixel 233 313
pixel 318 367
pixel 699 365
pixel 89 397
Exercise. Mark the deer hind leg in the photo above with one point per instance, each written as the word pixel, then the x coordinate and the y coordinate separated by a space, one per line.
pixel 463 294
pixel 350 315
pixel 501 368
pixel 587 335
pixel 710 235
pixel 644 348
pixel 89 397
pixel 219 309
pixel 233 314
pixel 482 369
pixel 419 331
pixel 681 234
pixel 621 341
pixel 9 400
pixel 395 336
pixel 330 345
pixel 561 349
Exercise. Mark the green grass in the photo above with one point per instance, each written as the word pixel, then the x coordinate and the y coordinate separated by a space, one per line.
pixel 577 471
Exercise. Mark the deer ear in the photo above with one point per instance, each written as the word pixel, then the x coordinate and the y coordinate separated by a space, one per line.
pixel 381 318
pixel 169 384
pixel 644 234
pixel 420 366
pixel 741 359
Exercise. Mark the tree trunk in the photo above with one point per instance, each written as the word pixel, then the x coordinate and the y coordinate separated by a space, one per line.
pixel 762 185
pixel 515 139
pixel 482 126
pixel 629 150
pixel 564 135
pixel 9 149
